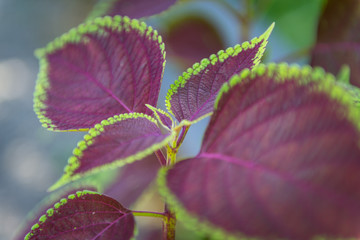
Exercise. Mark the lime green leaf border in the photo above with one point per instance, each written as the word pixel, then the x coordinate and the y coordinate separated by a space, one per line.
pixel 325 83
pixel 73 162
pixel 221 56
pixel 75 35
pixel 51 211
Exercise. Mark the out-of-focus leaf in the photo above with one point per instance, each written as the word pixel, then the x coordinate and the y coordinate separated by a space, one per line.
pixel 115 142
pixel 338 39
pixel 279 160
pixel 84 215
pixel 191 38
pixel 192 96
pixel 133 179
pixel 132 9
pixel 97 70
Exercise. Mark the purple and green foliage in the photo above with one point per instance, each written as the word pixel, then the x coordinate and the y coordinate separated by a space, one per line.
pixel 43 206
pixel 113 143
pixel 338 39
pixel 100 69
pixel 192 96
pixel 84 215
pixel 132 9
pixel 279 160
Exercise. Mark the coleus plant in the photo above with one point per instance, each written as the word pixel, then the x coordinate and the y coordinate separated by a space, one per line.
pixel 279 159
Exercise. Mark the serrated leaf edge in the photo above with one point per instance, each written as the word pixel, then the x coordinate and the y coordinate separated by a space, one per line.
pixel 221 56
pixel 73 162
pixel 75 35
pixel 326 83
pixel 57 205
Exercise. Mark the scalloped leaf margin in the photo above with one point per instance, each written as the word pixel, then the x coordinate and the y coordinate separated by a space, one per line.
pixel 85 196
pixel 75 35
pixel 220 57
pixel 324 83
pixel 73 162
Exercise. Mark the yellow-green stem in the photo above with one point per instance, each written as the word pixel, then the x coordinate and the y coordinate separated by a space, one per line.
pixel 169 225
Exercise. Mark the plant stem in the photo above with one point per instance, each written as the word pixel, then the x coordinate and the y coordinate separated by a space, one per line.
pixel 149 214
pixel 181 138
pixel 160 157
pixel 169 224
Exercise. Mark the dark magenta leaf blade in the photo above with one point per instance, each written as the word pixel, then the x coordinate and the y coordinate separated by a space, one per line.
pixel 43 206
pixel 102 68
pixel 132 9
pixel 85 215
pixel 133 179
pixel 338 38
pixel 192 96
pixel 279 160
pixel 116 142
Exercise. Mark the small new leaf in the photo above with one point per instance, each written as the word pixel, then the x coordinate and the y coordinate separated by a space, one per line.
pixel 163 117
pixel 85 215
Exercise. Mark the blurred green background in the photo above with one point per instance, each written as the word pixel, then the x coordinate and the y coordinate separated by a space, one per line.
pixel 32 158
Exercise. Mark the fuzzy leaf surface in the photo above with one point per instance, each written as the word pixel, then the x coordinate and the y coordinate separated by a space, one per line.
pixel 279 160
pixel 132 9
pixel 85 215
pixel 192 96
pixel 102 68
pixel 338 38
pixel 115 142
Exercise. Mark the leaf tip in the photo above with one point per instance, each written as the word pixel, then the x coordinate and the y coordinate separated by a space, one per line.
pixel 344 74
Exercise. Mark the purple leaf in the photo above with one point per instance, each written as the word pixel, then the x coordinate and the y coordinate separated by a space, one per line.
pixel 85 215
pixel 132 9
pixel 133 179
pixel 192 96
pixel 338 38
pixel 115 142
pixel 41 209
pixel 280 160
pixel 100 69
